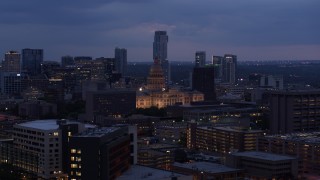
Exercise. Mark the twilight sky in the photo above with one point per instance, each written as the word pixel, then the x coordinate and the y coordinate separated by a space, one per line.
pixel 251 29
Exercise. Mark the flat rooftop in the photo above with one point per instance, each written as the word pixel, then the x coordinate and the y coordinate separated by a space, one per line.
pixel 263 156
pixel 147 173
pixel 48 124
pixel 98 132
pixel 206 167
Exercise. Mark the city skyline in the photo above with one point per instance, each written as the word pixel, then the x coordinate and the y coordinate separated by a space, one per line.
pixel 268 30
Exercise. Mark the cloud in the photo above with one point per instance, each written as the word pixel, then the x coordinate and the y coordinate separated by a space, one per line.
pixel 97 26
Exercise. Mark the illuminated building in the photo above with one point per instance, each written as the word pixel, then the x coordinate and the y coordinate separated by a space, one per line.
pixel 43 138
pixel 305 146
pixel 294 111
pixel 221 139
pixel 102 153
pixel 157 95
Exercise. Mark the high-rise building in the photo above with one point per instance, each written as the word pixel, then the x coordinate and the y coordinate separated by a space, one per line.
pixel 67 61
pixel 294 111
pixel 31 60
pixel 229 67
pixel 203 81
pixel 160 52
pixel 11 62
pixel 217 64
pixel 12 83
pixel 121 60
pixel 43 138
pixel 200 59
pixel 102 153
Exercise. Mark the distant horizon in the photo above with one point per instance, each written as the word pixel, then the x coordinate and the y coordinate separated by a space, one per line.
pixel 252 30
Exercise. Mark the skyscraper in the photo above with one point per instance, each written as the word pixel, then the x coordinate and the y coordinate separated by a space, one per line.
pixel 66 61
pixel 160 52
pixel 203 81
pixel 11 62
pixel 200 59
pixel 121 60
pixel 31 60
pixel 229 66
pixel 217 64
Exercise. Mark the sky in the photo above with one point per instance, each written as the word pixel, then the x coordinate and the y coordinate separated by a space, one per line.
pixel 250 29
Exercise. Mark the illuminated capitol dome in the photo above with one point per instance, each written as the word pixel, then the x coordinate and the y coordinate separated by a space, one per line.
pixel 156 80
pixel 157 95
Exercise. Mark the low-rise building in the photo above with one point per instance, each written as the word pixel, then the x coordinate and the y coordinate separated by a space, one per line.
pixel 261 165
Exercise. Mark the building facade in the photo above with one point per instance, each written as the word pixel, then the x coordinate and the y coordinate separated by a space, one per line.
pixel 203 81
pixel 31 61
pixel 304 146
pixel 102 153
pixel 200 59
pixel 120 55
pixel 294 111
pixel 11 62
pixel 229 68
pixel 160 52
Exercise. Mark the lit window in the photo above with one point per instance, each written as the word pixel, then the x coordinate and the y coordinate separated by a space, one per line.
pixel 72 158
pixel 69 133
pixel 74 165
pixel 56 134
pixel 79 151
pixel 78 173
pixel 78 159
pixel 73 150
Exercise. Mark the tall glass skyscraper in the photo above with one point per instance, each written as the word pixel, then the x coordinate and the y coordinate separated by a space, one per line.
pixel 200 59
pixel 120 55
pixel 31 61
pixel 160 52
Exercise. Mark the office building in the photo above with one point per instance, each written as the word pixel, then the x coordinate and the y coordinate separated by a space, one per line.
pixel 294 111
pixel 229 68
pixel 43 138
pixel 12 83
pixel 221 139
pixel 120 55
pixel 217 64
pixel 37 109
pixel 31 61
pixel 275 82
pixel 304 146
pixel 111 102
pixel 67 61
pixel 11 62
pixel 200 59
pixel 160 52
pixel 102 153
pixel 262 165
pixel 203 81
pixel 207 170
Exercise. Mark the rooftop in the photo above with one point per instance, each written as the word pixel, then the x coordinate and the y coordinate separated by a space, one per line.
pixel 147 173
pixel 46 124
pixel 310 137
pixel 206 167
pixel 98 132
pixel 263 156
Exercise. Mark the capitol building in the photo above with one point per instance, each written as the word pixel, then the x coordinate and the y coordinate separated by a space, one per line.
pixel 156 94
